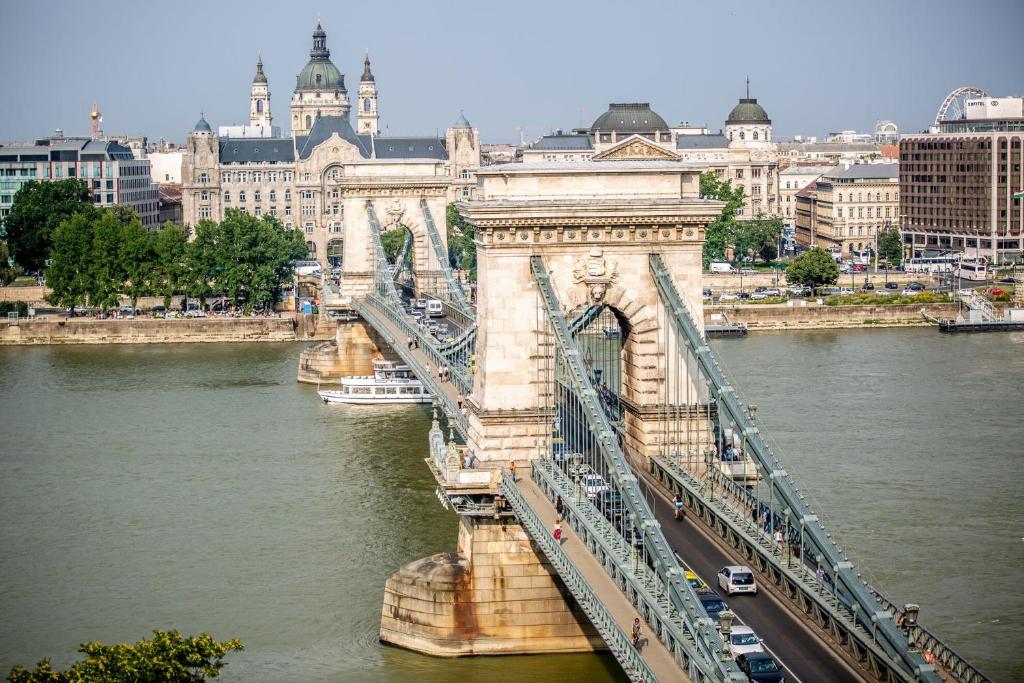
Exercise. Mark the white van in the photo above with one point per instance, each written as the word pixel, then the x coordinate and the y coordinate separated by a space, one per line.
pixel 435 309
pixel 721 267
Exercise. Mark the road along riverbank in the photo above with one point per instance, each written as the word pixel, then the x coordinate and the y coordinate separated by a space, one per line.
pixel 147 331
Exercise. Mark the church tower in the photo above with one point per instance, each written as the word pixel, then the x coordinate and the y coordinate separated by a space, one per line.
pixel 319 87
pixel 368 119
pixel 259 105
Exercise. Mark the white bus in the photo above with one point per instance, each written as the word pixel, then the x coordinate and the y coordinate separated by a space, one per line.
pixel 973 270
pixel 943 263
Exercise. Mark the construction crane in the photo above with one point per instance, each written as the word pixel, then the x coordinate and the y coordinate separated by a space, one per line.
pixel 97 119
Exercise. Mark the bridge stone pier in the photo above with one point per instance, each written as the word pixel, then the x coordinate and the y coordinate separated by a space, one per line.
pixel 595 228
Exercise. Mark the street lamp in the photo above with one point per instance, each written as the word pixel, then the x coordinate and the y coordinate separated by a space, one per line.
pixel 725 619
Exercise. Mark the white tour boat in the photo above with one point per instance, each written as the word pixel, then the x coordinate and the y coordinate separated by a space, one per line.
pixel 389 383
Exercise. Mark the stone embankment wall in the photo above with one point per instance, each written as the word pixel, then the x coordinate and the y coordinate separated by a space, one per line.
pixel 93 331
pixel 814 317
pixel 497 596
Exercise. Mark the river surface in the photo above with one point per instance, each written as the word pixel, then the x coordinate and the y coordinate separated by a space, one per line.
pixel 200 487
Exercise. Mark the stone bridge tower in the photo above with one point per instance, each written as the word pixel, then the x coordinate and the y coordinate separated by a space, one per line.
pixel 596 251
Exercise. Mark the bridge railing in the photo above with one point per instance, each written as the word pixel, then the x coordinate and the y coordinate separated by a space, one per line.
pixel 614 637
pixel 883 629
pixel 455 292
pixel 602 441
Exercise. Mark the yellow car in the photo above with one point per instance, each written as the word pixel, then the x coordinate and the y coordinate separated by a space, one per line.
pixel 695 581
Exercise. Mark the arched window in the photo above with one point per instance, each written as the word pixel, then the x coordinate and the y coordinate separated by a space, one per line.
pixel 755 134
pixel 840 196
pixel 311 246
pixel 309 121
pixel 730 135
pixel 318 79
pixel 366 104
pixel 259 106
pixel 742 135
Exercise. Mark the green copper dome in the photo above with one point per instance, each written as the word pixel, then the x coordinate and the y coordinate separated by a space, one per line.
pixel 748 111
pixel 320 72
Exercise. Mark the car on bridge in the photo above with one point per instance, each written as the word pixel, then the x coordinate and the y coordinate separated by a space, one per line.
pixel 760 667
pixel 594 485
pixel 712 602
pixel 737 578
pixel 695 581
pixel 743 640
pixel 611 506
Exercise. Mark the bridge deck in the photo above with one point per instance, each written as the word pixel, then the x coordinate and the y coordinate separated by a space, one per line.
pixel 654 653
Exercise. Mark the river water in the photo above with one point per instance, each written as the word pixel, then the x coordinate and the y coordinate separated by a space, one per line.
pixel 200 487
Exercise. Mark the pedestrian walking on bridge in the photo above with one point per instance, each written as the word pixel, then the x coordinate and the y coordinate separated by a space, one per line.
pixel 557 532
pixel 512 469
pixel 459 399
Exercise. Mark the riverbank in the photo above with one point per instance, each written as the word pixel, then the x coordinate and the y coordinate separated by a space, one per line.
pixel 147 331
pixel 812 316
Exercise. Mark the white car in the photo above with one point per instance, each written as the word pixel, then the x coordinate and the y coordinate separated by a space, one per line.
pixel 743 640
pixel 911 292
pixel 728 296
pixel 737 578
pixel 594 484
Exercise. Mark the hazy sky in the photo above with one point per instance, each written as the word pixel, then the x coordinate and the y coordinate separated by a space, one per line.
pixel 816 66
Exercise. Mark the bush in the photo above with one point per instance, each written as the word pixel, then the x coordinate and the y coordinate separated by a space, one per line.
pixel 19 307
pixel 868 299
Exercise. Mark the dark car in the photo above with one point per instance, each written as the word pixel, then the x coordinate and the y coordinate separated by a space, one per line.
pixel 610 504
pixel 892 285
pixel 712 602
pixel 869 286
pixel 744 295
pixel 915 286
pixel 760 667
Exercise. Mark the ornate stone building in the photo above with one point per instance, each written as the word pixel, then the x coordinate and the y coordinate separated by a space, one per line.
pixel 744 152
pixel 324 170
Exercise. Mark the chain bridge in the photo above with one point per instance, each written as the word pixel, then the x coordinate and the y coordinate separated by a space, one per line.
pixel 582 389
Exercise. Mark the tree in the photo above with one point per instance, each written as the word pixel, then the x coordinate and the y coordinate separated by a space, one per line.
pixel 137 254
pixel 166 658
pixel 393 241
pixel 69 275
pixel 201 260
pixel 7 269
pixel 890 245
pixel 39 208
pixel 169 274
pixel 106 275
pixel 758 236
pixel 813 268
pixel 721 232
pixel 461 242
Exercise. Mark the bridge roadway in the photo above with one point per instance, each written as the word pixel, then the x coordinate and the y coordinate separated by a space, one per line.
pixel 795 643
pixel 799 648
pixel 654 653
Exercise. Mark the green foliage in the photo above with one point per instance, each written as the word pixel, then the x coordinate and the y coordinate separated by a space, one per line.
pixel 169 268
pixel 39 208
pixel 721 232
pixel 166 658
pixel 8 272
pixel 99 258
pixel 393 241
pixel 19 307
pixel 875 299
pixel 813 268
pixel 759 236
pixel 890 245
pixel 461 243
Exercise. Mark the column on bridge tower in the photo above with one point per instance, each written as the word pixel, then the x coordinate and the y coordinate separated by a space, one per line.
pixel 595 231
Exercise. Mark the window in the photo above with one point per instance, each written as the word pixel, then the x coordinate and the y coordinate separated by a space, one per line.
pixel 256 195
pixel 287 195
pixel 860 212
pixel 755 134
pixel 335 194
pixel 273 195
pixel 464 174
pixel 742 135
pixel 308 121
pixel 366 104
pixel 259 106
pixel 257 176
pixel 755 173
pixel 287 176
pixel 309 227
pixel 334 174
pixel 258 211
pixel 312 248
pixel 204 212
pixel 204 196
pixel 307 194
pixel 241 195
pixel 335 209
pixel 840 196
pixel 878 196
pixel 336 227
pixel 305 177
pixel 227 197
pixel 203 177
pixel 110 198
pixel 739 172
pixel 287 211
pixel 887 199
pixel 243 176
pixel 225 177
pixel 839 212
pixel 271 176
pixel 308 210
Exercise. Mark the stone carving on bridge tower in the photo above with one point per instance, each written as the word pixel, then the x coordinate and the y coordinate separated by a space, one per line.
pixel 394 212
pixel 596 273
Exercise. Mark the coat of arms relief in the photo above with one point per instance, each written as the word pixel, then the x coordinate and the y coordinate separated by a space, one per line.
pixel 596 273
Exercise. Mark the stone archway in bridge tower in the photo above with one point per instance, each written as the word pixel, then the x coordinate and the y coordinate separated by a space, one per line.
pixel 596 251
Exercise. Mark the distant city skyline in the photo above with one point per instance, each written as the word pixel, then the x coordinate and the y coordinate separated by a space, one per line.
pixel 815 67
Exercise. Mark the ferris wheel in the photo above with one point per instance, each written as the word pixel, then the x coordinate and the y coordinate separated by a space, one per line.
pixel 954 107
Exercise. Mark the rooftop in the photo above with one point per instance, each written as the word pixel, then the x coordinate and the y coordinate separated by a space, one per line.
pixel 629 117
pixel 866 172
pixel 806 170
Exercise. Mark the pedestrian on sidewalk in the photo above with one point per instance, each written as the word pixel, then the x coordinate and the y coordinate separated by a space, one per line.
pixel 459 399
pixel 408 342
pixel 512 469
pixel 415 343
pixel 557 532
pixel 447 374
pixel 559 506
pixel 440 374
pixel 778 538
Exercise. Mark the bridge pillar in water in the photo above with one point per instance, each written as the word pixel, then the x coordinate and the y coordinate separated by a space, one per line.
pixel 353 351
pixel 496 596
pixel 595 226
